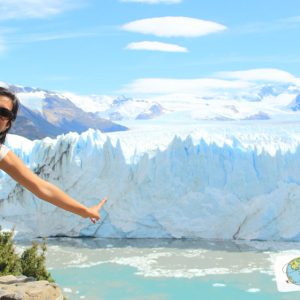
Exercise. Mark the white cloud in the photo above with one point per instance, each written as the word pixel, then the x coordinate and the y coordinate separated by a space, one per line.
pixel 50 37
pixel 223 85
pixel 154 1
pixel 261 75
pixel 174 27
pixel 156 46
pixel 23 9
pixel 175 86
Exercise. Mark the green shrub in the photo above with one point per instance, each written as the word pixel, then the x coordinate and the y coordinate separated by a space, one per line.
pixel 34 264
pixel 31 263
pixel 10 262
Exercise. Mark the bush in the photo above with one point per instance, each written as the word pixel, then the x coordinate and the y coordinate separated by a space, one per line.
pixel 31 263
pixel 10 262
pixel 34 264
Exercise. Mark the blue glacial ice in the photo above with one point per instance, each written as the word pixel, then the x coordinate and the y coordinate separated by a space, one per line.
pixel 209 180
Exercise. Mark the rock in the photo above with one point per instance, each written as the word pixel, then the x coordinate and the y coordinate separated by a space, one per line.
pixel 12 296
pixel 27 288
pixel 10 279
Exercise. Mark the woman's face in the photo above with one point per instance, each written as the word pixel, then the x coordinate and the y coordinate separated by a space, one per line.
pixel 5 102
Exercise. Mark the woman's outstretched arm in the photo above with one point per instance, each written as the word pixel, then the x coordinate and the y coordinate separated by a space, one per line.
pixel 14 167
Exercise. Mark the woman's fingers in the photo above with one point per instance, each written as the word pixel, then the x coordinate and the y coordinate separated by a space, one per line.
pixel 98 207
pixel 102 202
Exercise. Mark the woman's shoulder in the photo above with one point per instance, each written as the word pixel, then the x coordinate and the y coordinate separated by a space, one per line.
pixel 3 151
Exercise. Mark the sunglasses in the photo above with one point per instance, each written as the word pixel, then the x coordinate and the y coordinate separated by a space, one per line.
pixel 6 113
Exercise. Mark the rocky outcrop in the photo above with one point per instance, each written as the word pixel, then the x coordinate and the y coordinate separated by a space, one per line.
pixel 27 288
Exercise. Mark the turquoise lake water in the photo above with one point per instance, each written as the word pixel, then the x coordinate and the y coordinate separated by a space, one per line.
pixel 119 282
pixel 167 269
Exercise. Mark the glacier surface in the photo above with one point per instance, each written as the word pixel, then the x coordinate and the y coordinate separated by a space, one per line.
pixel 204 180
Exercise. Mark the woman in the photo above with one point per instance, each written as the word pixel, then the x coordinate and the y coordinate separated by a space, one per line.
pixel 13 166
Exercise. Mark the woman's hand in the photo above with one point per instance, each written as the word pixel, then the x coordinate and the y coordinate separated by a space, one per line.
pixel 94 212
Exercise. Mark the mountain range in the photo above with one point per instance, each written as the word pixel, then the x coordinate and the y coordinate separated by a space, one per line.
pixel 44 113
pixel 261 101
pixel 120 107
pixel 47 113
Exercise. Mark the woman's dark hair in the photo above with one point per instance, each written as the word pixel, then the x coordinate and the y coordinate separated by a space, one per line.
pixel 15 101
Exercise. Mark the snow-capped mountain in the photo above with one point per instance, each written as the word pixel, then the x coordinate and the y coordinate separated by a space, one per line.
pixel 263 101
pixel 118 108
pixel 46 113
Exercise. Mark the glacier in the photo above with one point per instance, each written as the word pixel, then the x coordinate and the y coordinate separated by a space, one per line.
pixel 215 180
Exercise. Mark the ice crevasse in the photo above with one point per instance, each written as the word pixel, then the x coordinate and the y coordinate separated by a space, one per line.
pixel 199 185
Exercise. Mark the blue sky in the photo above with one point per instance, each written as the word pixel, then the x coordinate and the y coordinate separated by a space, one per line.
pixel 111 46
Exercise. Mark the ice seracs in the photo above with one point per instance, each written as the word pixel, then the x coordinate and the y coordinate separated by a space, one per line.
pixel 200 181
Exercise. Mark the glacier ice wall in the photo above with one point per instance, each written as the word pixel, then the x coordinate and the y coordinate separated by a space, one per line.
pixel 191 186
